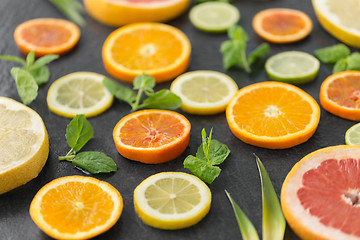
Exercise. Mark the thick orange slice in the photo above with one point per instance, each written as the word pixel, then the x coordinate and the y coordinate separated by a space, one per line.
pixel 160 50
pixel 273 115
pixel 340 95
pixel 320 195
pixel 152 136
pixel 46 36
pixel 282 25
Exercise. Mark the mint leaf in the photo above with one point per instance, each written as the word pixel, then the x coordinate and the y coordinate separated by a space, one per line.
pixel 30 58
pixel 333 53
pixel 163 99
pixel 41 74
pixel 95 162
pixel 119 91
pixel 25 84
pixel 144 82
pixel 42 61
pixel 72 9
pixel 353 61
pixel 13 59
pixel 232 52
pixel 259 53
pixel 218 152
pixel 340 65
pixel 78 132
pixel 201 169
pixel 236 32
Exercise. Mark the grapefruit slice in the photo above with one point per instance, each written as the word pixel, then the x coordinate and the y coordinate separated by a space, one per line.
pixel 320 196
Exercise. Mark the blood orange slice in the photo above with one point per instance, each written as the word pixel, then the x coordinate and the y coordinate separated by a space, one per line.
pixel 320 196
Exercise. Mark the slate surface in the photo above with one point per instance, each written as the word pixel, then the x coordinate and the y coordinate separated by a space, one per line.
pixel 239 173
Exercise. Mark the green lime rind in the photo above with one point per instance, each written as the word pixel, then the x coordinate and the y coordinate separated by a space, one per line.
pixel 214 17
pixel 352 135
pixel 292 67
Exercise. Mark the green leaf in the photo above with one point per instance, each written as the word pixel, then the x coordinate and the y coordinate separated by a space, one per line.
pixel 333 53
pixel 247 229
pixel 163 99
pixel 26 85
pixel 78 132
pixel 30 58
pixel 95 162
pixel 218 152
pixel 13 59
pixel 43 61
pixel 236 32
pixel 259 53
pixel 273 219
pixel 340 65
pixel 144 82
pixel 41 74
pixel 72 9
pixel 119 91
pixel 201 169
pixel 232 52
pixel 353 61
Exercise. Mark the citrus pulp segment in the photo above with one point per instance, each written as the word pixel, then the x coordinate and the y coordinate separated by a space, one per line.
pixel 282 25
pixel 122 12
pixel 24 144
pixel 152 136
pixel 76 207
pixel 352 135
pixel 214 16
pixel 292 67
pixel 340 94
pixel 340 18
pixel 157 49
pixel 172 200
pixel 79 93
pixel 204 92
pixel 272 115
pixel 320 195
pixel 46 36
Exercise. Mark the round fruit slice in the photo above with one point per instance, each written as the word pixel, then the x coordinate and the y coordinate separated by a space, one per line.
pixel 340 19
pixel 204 92
pixel 352 136
pixel 160 50
pixel 292 67
pixel 152 136
pixel 46 36
pixel 79 93
pixel 340 94
pixel 122 12
pixel 273 115
pixel 172 200
pixel 282 25
pixel 76 207
pixel 24 144
pixel 214 16
pixel 320 195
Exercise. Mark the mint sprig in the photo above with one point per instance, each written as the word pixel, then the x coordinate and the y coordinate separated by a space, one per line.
pixel 72 9
pixel 210 153
pixel 78 133
pixel 31 75
pixel 144 84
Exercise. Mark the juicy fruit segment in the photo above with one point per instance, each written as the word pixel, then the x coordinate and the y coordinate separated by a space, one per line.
pixel 172 200
pixel 152 136
pixel 76 207
pixel 24 144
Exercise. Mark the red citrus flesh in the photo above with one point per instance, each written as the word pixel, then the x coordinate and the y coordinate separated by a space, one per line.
pixel 283 24
pixel 345 91
pixel 45 35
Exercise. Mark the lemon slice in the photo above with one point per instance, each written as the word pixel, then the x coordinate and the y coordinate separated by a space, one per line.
pixel 24 144
pixel 172 200
pixel 352 135
pixel 79 93
pixel 204 92
pixel 340 18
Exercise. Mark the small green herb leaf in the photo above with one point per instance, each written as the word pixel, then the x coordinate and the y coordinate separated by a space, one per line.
pixel 218 152
pixel 119 91
pixel 95 162
pixel 247 229
pixel 340 65
pixel 201 169
pixel 26 85
pixel 72 9
pixel 13 59
pixel 43 61
pixel 353 61
pixel 232 52
pixel 144 82
pixel 236 32
pixel 41 74
pixel 163 99
pixel 259 53
pixel 78 132
pixel 333 53
pixel 30 58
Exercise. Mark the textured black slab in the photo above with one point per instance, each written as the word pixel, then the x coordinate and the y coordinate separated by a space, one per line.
pixel 239 173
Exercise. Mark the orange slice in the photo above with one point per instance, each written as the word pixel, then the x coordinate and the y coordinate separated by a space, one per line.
pixel 320 195
pixel 46 36
pixel 121 12
pixel 340 95
pixel 282 25
pixel 152 136
pixel 160 50
pixel 76 207
pixel 273 115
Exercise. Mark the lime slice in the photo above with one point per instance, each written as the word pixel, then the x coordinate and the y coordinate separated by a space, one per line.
pixel 292 67
pixel 352 135
pixel 214 16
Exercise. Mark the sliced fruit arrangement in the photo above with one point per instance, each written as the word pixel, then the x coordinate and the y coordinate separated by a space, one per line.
pixel 340 19
pixel 292 67
pixel 157 49
pixel 121 12
pixel 282 25
pixel 24 144
pixel 76 207
pixel 214 16
pixel 79 93
pixel 273 115
pixel 352 135
pixel 152 136
pixel 340 94
pixel 46 36
pixel 172 200
pixel 320 195
pixel 204 92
